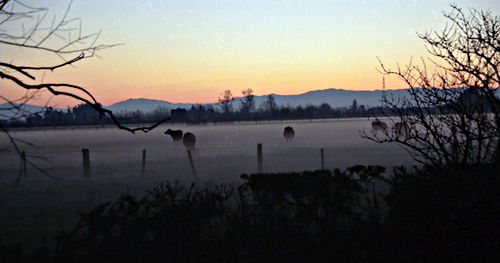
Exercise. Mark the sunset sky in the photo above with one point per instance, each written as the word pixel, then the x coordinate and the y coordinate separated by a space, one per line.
pixel 190 51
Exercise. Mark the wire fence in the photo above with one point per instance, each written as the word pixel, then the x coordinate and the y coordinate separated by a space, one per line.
pixel 205 161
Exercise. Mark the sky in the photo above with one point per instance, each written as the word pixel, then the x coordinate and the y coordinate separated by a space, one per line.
pixel 191 51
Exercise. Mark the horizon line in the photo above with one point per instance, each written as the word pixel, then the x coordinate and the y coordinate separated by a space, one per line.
pixel 194 103
pixel 275 94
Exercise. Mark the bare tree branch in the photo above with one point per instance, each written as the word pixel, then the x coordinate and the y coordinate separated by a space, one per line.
pixel 62 37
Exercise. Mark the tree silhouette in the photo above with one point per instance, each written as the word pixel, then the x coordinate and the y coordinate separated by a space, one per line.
pixel 29 29
pixel 226 103
pixel 247 102
pixel 270 105
pixel 354 106
pixel 452 116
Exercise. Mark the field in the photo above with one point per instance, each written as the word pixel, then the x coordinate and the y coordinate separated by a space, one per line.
pixel 223 152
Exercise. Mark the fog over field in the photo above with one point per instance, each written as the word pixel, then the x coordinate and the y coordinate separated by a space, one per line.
pixel 223 151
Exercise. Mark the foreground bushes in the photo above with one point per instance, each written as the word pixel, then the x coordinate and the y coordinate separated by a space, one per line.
pixel 441 214
pixel 322 216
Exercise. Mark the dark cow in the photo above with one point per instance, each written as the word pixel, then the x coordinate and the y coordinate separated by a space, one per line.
pixel 189 141
pixel 288 133
pixel 378 125
pixel 175 134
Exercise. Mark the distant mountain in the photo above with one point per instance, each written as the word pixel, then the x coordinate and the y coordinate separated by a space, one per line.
pixel 334 97
pixel 145 105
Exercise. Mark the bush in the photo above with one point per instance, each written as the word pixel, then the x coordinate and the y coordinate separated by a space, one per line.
pixel 278 217
pixel 445 214
pixel 422 215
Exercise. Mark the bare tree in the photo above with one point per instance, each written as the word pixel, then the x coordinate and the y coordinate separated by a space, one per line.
pixel 452 116
pixel 28 28
pixel 247 102
pixel 226 103
pixel 270 105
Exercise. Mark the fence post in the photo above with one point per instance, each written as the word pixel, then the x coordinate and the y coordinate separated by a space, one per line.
pixel 24 167
pixel 143 161
pixel 86 162
pixel 259 158
pixel 322 159
pixel 191 163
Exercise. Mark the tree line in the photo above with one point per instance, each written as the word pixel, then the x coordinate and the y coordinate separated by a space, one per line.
pixel 224 111
pixel 82 114
pixel 246 109
pixel 227 110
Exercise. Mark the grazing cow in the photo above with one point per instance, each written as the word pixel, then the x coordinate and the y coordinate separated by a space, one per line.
pixel 175 134
pixel 378 125
pixel 189 141
pixel 288 133
pixel 401 129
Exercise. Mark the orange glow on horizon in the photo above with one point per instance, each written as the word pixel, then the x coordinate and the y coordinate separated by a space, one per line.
pixel 187 52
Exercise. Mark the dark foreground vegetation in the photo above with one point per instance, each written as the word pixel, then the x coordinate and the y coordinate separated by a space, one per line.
pixel 356 215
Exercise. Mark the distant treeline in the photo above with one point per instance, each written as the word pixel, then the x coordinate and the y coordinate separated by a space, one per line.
pixel 206 114
pixel 82 114
pixel 85 115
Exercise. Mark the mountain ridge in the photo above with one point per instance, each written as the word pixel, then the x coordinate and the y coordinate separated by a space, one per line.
pixel 334 97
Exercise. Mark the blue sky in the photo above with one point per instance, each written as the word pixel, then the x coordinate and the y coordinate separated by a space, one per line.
pixel 190 51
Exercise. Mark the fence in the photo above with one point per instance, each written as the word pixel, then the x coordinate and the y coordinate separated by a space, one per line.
pixel 261 164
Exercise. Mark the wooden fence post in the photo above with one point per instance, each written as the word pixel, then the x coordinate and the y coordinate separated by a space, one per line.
pixel 322 159
pixel 259 158
pixel 191 163
pixel 143 161
pixel 86 162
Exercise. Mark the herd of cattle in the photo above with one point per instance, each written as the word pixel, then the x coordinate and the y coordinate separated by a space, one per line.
pixel 189 139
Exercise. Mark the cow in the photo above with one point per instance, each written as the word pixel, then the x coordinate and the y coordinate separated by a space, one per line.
pixel 189 141
pixel 378 125
pixel 175 134
pixel 288 133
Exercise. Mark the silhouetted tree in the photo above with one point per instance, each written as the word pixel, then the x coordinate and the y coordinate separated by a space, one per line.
pixel 324 110
pixel 200 113
pixel 34 119
pixel 247 102
pixel 309 110
pixel 270 105
pixel 44 37
pixel 86 114
pixel 28 29
pixel 452 117
pixel 160 113
pixel 354 107
pixel 226 103
pixel 362 110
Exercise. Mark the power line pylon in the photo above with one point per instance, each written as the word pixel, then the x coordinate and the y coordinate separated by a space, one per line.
pixel 384 94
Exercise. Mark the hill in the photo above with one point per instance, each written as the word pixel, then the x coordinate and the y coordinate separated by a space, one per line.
pixel 145 105
pixel 334 97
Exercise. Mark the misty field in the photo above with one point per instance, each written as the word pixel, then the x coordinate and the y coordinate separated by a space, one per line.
pixel 223 152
